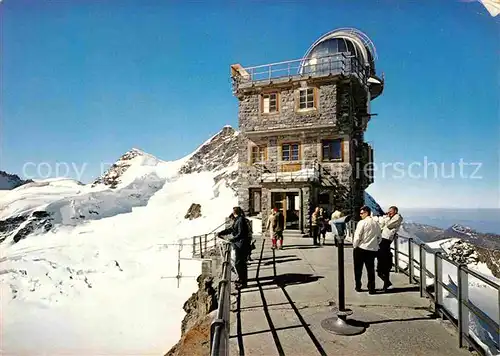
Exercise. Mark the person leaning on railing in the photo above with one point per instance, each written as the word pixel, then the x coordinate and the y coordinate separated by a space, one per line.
pixel 390 225
pixel 241 244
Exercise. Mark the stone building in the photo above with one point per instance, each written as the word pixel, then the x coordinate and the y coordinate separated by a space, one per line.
pixel 302 125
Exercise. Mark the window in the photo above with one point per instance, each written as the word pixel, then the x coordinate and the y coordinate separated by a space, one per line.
pixel 269 103
pixel 306 98
pixel 258 154
pixel 332 150
pixel 290 152
pixel 255 200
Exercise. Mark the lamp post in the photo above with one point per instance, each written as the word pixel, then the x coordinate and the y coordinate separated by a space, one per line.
pixel 339 324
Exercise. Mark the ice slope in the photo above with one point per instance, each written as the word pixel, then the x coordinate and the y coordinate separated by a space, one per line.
pixel 100 281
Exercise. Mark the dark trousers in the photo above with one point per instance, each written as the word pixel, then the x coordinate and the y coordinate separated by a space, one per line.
pixel 315 231
pixel 384 260
pixel 240 263
pixel 364 258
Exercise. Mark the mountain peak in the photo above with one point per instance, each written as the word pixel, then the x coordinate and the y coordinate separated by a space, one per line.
pixel 11 181
pixel 114 175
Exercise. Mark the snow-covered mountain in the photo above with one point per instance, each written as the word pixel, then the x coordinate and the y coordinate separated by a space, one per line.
pixel 104 250
pixel 10 181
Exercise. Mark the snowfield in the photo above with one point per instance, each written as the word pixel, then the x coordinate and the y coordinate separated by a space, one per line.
pixel 101 281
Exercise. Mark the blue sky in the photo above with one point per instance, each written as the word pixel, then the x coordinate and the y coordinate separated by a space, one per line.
pixel 84 81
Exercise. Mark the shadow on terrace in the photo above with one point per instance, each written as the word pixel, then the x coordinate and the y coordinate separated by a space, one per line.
pixel 291 291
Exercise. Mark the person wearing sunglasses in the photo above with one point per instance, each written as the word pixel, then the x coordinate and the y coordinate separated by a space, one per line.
pixel 365 247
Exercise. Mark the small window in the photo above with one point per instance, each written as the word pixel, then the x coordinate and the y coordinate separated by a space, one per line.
pixel 255 200
pixel 306 98
pixel 290 152
pixel 269 103
pixel 332 150
pixel 258 154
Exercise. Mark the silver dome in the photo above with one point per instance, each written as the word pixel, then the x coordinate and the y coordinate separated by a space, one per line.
pixel 328 53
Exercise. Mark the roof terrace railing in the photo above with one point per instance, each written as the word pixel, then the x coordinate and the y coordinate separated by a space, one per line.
pixel 417 260
pixel 335 64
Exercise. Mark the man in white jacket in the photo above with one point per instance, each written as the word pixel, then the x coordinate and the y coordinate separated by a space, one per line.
pixel 390 226
pixel 366 244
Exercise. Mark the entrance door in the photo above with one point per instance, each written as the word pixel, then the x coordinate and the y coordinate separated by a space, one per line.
pixel 288 204
pixel 278 200
pixel 292 210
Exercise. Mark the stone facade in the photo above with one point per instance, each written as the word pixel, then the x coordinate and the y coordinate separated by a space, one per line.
pixel 252 119
pixel 331 118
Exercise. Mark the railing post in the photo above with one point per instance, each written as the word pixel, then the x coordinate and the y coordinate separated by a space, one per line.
pixel 201 247
pixel 194 246
pixel 423 271
pixel 396 254
pixel 463 310
pixel 410 260
pixel 205 242
pixel 438 276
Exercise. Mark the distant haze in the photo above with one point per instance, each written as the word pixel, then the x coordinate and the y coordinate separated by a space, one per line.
pixel 482 220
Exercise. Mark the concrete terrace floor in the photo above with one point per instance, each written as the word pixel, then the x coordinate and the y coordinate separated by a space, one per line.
pixel 291 291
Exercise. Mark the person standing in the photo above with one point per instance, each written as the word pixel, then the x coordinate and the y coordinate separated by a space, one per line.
pixel 270 227
pixel 365 247
pixel 323 220
pixel 315 224
pixel 390 226
pixel 278 228
pixel 241 245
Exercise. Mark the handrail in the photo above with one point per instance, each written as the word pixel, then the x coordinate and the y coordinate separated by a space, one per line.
pixel 309 171
pixel 465 305
pixel 219 328
pixel 332 64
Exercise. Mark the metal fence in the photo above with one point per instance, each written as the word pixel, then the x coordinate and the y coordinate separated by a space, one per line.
pixel 220 327
pixel 335 64
pixel 421 262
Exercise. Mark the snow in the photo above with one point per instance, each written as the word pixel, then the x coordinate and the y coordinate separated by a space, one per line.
pixel 103 280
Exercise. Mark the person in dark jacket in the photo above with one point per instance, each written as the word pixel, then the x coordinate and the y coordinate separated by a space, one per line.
pixel 241 245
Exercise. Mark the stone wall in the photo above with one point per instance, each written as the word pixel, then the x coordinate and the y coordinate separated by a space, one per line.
pixel 331 119
pixel 251 118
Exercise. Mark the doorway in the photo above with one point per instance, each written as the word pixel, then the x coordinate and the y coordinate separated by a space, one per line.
pixel 288 203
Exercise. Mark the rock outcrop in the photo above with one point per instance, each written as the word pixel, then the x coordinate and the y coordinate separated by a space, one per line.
pixel 466 253
pixel 194 212
pixel 113 175
pixel 11 181
pixel 23 225
pixel 195 328
pixel 219 154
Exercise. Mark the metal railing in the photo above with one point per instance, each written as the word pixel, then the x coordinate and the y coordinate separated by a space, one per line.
pixel 220 327
pixel 417 261
pixel 202 244
pixel 336 64
pixel 288 172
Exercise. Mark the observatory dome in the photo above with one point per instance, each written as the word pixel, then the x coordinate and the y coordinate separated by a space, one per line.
pixel 344 41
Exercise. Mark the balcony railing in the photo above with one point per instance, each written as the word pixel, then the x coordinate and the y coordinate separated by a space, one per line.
pixel 288 172
pixel 336 64
pixel 446 284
